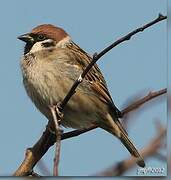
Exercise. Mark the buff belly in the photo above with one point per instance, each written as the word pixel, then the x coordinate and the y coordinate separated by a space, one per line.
pixel 82 109
pixel 78 113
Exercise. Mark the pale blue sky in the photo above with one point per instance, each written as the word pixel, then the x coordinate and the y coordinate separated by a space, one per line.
pixel 138 65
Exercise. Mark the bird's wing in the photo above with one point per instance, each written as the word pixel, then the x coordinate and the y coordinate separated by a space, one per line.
pixel 94 77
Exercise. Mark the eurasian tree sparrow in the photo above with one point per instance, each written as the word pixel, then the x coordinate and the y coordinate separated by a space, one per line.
pixel 50 65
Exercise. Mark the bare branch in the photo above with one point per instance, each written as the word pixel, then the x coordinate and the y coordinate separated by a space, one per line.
pixel 125 111
pixel 34 154
pixel 150 150
pixel 128 117
pixel 145 99
pixel 77 132
pixel 56 119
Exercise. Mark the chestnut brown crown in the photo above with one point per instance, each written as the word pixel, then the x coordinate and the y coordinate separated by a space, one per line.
pixel 50 31
pixel 41 33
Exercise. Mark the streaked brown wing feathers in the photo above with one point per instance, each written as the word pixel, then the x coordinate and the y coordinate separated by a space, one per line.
pixel 94 77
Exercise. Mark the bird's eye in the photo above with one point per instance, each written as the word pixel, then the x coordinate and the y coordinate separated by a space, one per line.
pixel 41 37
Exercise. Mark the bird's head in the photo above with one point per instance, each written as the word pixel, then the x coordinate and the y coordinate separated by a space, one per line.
pixel 44 36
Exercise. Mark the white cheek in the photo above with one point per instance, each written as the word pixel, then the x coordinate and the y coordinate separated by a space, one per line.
pixel 37 47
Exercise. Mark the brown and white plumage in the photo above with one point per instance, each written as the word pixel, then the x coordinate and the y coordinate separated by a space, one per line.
pixel 51 64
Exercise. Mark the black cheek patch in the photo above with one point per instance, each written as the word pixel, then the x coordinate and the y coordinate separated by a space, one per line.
pixel 48 44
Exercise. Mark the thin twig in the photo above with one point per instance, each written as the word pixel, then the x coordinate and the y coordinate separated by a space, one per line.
pixel 129 103
pixel 58 141
pixel 77 132
pixel 143 100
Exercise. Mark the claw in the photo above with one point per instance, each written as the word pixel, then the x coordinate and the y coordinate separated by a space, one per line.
pixel 58 110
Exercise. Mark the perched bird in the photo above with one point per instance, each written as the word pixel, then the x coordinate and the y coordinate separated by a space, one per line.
pixel 50 65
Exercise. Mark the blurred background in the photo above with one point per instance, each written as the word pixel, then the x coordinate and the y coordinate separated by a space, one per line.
pixel 132 70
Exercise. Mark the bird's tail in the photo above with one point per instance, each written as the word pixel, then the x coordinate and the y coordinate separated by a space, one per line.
pixel 129 145
pixel 120 132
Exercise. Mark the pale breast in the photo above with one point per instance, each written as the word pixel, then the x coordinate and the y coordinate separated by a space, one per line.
pixel 48 82
pixel 41 84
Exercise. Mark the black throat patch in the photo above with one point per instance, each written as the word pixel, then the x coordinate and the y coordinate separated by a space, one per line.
pixel 28 47
pixel 48 44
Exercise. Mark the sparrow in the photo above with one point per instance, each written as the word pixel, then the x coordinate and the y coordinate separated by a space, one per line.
pixel 50 65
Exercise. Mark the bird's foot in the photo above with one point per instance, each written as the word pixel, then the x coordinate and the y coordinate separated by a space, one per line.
pixel 59 112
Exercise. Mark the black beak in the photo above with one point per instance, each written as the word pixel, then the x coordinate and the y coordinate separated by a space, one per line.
pixel 26 38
